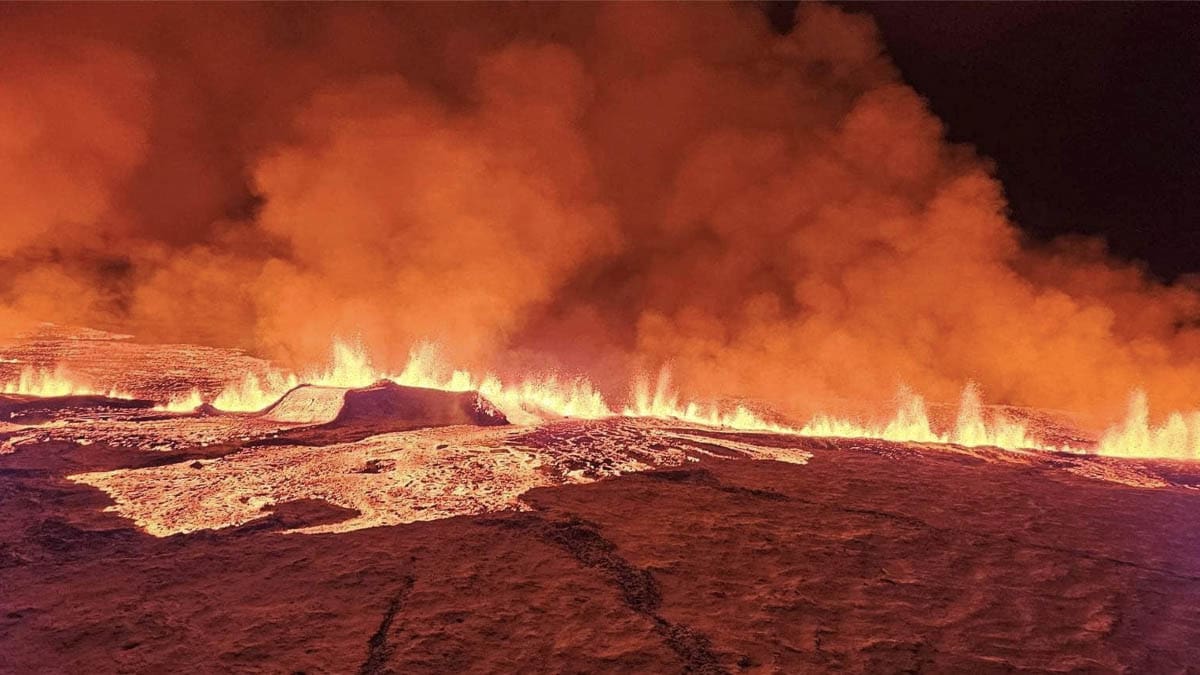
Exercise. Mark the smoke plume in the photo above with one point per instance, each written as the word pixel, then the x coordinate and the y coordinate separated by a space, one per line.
pixel 601 188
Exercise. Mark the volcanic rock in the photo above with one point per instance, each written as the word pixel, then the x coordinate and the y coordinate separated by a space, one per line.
pixel 385 405
pixel 868 556
pixel 36 410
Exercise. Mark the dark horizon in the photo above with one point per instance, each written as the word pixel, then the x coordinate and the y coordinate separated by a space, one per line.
pixel 1087 109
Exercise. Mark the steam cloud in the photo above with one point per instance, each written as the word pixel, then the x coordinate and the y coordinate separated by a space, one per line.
pixel 602 188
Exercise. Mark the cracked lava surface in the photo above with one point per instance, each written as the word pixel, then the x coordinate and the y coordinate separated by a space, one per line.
pixel 868 556
pixel 137 541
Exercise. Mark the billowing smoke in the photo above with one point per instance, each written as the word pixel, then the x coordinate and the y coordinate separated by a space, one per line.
pixel 602 188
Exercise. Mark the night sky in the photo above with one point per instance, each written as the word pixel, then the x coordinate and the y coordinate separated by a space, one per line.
pixel 1089 111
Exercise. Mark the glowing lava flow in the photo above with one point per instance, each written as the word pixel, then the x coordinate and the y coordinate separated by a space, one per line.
pixel 1178 437
pixel 184 403
pixel 537 399
pixel 51 383
pixel 254 393
pixel 663 402
pixel 527 402
pixel 911 423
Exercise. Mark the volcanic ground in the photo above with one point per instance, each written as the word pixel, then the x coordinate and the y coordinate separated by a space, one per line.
pixel 391 529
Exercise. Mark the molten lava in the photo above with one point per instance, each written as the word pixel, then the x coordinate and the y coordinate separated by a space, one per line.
pixel 548 396
pixel 1178 437
pixel 183 403
pixel 911 423
pixel 49 383
pixel 530 400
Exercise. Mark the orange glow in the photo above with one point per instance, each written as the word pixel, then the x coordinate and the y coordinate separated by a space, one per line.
pixel 539 398
pixel 47 383
pixel 183 403
pixel 543 397
pixel 911 423
pixel 1178 437
pixel 664 402
pixel 532 400
pixel 253 393
pixel 529 401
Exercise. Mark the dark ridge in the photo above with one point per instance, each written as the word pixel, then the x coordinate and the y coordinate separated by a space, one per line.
pixel 36 410
pixel 63 457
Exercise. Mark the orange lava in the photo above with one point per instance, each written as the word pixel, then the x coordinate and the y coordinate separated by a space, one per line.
pixel 48 383
pixel 548 396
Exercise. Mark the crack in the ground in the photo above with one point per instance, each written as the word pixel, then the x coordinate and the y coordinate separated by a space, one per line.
pixel 638 588
pixel 707 479
pixel 378 650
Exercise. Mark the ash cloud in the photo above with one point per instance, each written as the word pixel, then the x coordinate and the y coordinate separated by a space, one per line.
pixel 602 188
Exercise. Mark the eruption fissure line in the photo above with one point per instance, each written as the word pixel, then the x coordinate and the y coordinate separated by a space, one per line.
pixel 49 383
pixel 537 399
pixel 534 400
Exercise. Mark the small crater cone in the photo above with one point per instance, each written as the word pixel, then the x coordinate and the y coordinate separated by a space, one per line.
pixel 383 403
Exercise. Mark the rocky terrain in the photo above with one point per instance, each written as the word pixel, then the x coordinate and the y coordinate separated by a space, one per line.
pixel 485 549
pixel 393 529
